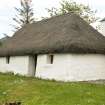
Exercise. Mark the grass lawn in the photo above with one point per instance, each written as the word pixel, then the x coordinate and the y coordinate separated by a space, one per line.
pixel 31 91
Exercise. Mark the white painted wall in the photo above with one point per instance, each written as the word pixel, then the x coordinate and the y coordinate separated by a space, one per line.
pixel 72 67
pixel 31 66
pixel 65 67
pixel 3 65
pixel 18 64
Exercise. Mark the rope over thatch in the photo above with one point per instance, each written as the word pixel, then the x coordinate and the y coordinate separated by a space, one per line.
pixel 61 34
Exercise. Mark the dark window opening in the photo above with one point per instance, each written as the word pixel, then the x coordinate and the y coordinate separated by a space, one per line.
pixel 8 59
pixel 35 60
pixel 50 59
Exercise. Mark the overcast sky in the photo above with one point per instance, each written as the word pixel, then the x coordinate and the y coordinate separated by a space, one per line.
pixel 7 10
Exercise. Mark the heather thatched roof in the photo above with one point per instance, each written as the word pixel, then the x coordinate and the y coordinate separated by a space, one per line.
pixel 61 34
pixel 4 39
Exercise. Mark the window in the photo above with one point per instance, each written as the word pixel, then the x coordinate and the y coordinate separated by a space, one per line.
pixel 50 59
pixel 8 59
pixel 35 60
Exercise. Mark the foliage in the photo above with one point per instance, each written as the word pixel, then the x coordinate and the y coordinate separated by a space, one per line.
pixel 24 14
pixel 4 39
pixel 32 91
pixel 72 7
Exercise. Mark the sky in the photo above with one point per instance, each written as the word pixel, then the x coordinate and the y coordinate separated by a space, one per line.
pixel 7 11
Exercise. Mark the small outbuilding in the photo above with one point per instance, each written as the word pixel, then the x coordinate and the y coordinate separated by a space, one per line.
pixel 64 48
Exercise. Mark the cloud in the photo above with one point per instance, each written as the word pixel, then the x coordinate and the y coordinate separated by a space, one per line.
pixel 8 3
pixel 7 10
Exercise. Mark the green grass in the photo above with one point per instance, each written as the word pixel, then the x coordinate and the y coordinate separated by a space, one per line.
pixel 31 91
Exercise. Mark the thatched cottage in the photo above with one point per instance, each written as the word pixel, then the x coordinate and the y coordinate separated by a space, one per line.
pixel 62 48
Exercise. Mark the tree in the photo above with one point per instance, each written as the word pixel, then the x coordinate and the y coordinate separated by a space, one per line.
pixel 24 14
pixel 72 7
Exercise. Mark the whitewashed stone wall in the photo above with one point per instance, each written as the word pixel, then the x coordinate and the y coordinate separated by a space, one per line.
pixel 31 66
pixel 72 67
pixel 65 67
pixel 17 64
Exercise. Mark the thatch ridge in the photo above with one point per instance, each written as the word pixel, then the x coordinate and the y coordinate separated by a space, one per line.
pixel 61 34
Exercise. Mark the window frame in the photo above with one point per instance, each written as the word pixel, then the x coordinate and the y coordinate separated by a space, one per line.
pixel 7 59
pixel 50 59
